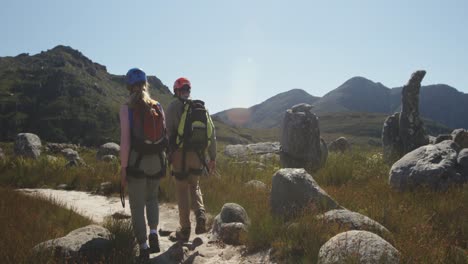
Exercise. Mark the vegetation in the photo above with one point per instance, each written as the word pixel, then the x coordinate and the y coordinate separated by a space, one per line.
pixel 27 221
pixel 426 226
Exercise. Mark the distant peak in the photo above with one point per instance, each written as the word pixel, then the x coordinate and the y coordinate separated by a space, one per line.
pixel 358 79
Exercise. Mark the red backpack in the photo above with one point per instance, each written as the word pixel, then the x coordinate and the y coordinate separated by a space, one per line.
pixel 148 128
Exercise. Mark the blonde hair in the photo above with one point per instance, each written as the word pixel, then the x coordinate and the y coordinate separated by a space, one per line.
pixel 140 96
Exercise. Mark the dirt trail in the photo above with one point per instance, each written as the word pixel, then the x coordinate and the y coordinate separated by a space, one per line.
pixel 201 250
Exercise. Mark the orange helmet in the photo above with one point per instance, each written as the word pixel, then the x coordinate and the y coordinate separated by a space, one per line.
pixel 181 82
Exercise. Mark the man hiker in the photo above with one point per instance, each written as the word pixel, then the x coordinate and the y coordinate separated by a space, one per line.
pixel 191 134
pixel 143 141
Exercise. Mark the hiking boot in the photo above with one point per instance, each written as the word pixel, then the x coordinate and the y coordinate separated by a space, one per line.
pixel 144 256
pixel 200 227
pixel 183 234
pixel 153 243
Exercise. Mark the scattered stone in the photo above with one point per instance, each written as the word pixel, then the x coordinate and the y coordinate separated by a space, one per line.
pixel 256 184
pixel 430 165
pixel 231 224
pixel 28 145
pixel 353 221
pixel 109 158
pixel 70 154
pixel 460 136
pixel 108 149
pixel 358 247
pixel 90 243
pixel 58 147
pixel 242 152
pixel 300 139
pixel 269 157
pixel 341 144
pixel 294 190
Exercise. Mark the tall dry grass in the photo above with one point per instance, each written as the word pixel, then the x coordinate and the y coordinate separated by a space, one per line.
pixel 26 221
pixel 426 226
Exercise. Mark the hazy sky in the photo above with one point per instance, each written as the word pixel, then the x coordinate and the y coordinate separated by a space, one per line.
pixel 239 53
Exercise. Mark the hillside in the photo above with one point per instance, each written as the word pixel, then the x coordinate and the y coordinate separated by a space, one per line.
pixel 267 113
pixel 63 96
pixel 440 103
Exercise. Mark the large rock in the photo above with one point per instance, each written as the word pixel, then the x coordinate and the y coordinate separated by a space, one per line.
pixel 341 144
pixel 460 136
pixel 28 145
pixel 108 149
pixel 411 131
pixel 442 137
pixel 300 139
pixel 462 161
pixel 242 152
pixel 391 142
pixel 293 190
pixel 353 221
pixel 358 247
pixel 430 165
pixel 70 154
pixel 231 224
pixel 58 147
pixel 404 131
pixel 90 243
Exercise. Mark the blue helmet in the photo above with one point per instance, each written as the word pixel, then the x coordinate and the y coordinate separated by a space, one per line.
pixel 135 75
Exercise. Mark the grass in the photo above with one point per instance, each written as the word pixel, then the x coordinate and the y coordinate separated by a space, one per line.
pixel 27 221
pixel 425 226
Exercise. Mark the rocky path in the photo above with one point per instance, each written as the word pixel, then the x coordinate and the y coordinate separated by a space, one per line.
pixel 200 248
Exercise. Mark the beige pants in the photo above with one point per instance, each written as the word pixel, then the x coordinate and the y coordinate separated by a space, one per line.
pixel 188 190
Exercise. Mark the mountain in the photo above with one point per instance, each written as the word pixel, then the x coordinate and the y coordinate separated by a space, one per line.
pixel 63 96
pixel 267 113
pixel 441 103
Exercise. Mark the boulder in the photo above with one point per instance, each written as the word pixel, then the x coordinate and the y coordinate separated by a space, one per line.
pixel 411 128
pixel 353 221
pixel 300 139
pixel 430 165
pixel 108 149
pixel 242 152
pixel 108 158
pixel 460 136
pixel 256 184
pixel 231 224
pixel 70 154
pixel 341 144
pixel 462 161
pixel 58 147
pixel 294 190
pixel 391 142
pixel 404 131
pixel 28 145
pixel 90 243
pixel 358 247
pixel 442 137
